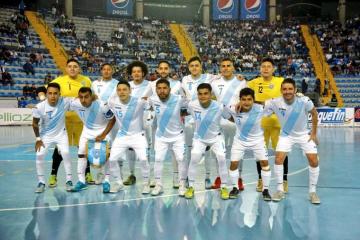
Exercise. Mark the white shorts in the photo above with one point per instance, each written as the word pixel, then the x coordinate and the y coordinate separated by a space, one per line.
pixel 217 146
pixel 286 142
pixel 61 141
pixel 137 142
pixel 178 146
pixel 258 147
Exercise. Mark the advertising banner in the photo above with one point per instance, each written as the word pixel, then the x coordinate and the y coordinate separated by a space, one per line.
pixel 15 116
pixel 252 9
pixel 225 9
pixel 120 8
pixel 357 116
pixel 342 117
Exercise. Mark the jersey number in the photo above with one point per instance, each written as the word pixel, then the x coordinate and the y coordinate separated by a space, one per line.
pixel 190 86
pixel 260 89
pixel 119 114
pixel 197 116
pixel 157 109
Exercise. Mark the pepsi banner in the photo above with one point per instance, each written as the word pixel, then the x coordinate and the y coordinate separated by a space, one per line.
pixel 225 9
pixel 252 9
pixel 120 7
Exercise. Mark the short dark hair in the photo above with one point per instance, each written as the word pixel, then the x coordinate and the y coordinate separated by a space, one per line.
pixel 267 59
pixel 53 85
pixel 193 59
pixel 85 90
pixel 289 80
pixel 163 80
pixel 72 60
pixel 124 83
pixel 247 92
pixel 164 61
pixel 140 64
pixel 105 64
pixel 40 89
pixel 226 59
pixel 204 86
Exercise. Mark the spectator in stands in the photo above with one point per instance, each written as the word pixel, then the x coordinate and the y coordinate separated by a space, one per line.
pixel 317 87
pixel 39 58
pixel 26 90
pixel 48 78
pixel 304 85
pixel 28 68
pixel 33 91
pixel 6 78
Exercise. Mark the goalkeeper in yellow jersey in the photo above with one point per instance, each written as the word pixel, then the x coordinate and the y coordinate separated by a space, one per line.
pixel 70 83
pixel 267 87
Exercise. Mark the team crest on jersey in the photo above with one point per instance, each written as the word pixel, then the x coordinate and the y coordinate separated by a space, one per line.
pixel 83 83
pixel 271 86
pixel 282 111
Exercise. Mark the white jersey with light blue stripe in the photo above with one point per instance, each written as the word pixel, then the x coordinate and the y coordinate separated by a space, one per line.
pixel 207 120
pixel 129 116
pixel 189 84
pixel 293 117
pixel 227 91
pixel 104 89
pixel 169 126
pixel 175 86
pixel 52 119
pixel 248 124
pixel 140 90
pixel 95 117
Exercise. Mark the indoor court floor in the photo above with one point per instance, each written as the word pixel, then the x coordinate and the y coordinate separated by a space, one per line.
pixel 57 214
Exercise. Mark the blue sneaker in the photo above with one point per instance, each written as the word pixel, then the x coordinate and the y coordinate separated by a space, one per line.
pixel 106 187
pixel 79 187
pixel 69 186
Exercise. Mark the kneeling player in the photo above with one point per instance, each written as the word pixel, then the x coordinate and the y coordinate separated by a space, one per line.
pixel 249 136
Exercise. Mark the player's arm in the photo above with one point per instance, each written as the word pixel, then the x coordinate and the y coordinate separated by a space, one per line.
pixel 108 128
pixel 268 108
pixel 35 125
pixel 314 117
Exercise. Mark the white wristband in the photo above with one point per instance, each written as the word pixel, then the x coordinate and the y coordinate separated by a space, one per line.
pixel 38 139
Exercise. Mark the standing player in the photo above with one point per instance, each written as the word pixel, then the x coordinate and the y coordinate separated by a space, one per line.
pixel 95 116
pixel 249 136
pixel 70 85
pixel 267 87
pixel 226 90
pixel 49 128
pixel 128 111
pixel 169 133
pixel 292 112
pixel 207 115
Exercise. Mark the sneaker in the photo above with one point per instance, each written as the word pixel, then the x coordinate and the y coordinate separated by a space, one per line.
pixel 207 183
pixel 278 196
pixel 259 185
pixel 131 180
pixel 240 184
pixel 189 193
pixel 224 193
pixel 266 195
pixel 53 181
pixel 217 183
pixel 106 187
pixel 152 183
pixel 314 198
pixel 182 189
pixel 234 193
pixel 116 187
pixel 69 186
pixel 175 181
pixel 89 179
pixel 40 187
pixel 79 186
pixel 157 190
pixel 99 178
pixel 146 188
pixel 286 186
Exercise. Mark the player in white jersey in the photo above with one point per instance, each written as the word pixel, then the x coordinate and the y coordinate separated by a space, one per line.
pixel 95 116
pixel 249 136
pixel 207 115
pixel 169 133
pixel 128 111
pixel 189 85
pixel 226 90
pixel 49 128
pixel 140 88
pixel 292 112
pixel 104 88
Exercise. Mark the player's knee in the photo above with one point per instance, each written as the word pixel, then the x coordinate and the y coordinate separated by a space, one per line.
pixel 264 164
pixel 81 155
pixel 234 165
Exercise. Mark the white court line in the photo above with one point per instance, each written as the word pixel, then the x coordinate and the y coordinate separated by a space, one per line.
pixel 125 200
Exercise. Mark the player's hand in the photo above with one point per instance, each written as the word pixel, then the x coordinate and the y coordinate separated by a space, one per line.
pixel 38 145
pixel 238 107
pixel 94 97
pixel 100 138
pixel 240 77
pixel 313 137
pixel 145 98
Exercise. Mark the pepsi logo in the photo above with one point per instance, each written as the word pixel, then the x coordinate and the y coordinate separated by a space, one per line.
pixel 120 3
pixel 225 6
pixel 252 6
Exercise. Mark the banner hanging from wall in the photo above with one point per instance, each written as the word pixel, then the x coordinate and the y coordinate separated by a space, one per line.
pixel 124 8
pixel 252 9
pixel 340 117
pixel 225 9
pixel 15 116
